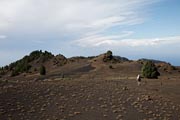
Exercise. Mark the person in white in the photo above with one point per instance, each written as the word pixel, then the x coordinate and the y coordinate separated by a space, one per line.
pixel 138 80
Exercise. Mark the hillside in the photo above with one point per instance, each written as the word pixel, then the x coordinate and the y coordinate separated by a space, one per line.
pixel 57 65
pixel 101 87
pixel 32 62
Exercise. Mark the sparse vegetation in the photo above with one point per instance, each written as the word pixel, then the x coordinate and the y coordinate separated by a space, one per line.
pixel 149 70
pixel 20 67
pixel 24 64
pixel 42 70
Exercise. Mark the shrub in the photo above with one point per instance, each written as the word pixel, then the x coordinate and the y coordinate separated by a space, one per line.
pixel 149 70
pixel 22 67
pixel 108 56
pixel 42 70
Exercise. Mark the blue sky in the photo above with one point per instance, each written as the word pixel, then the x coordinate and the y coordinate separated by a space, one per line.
pixel 130 28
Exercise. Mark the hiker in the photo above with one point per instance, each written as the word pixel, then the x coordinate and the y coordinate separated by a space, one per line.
pixel 138 80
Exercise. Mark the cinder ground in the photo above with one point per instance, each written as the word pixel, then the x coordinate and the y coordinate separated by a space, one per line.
pixel 90 90
pixel 90 99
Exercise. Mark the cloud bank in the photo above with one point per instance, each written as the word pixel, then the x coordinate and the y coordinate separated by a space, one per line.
pixel 118 41
pixel 70 15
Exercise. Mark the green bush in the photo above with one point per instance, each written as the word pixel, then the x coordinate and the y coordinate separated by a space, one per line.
pixel 149 70
pixel 108 56
pixel 42 70
pixel 22 67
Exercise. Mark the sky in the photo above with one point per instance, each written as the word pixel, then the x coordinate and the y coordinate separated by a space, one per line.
pixel 130 28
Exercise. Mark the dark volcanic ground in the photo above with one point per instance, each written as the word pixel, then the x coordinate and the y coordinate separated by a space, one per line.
pixel 86 100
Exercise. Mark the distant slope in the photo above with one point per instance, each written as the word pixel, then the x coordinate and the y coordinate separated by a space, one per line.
pixel 122 59
pixel 154 61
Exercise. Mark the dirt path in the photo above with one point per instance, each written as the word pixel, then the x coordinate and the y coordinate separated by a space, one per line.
pixel 84 100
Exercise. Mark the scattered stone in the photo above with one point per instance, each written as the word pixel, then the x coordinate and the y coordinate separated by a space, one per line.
pixel 73 95
pixel 115 111
pixel 125 88
pixel 103 106
pixel 119 116
pixel 42 109
pixel 150 112
pixel 147 98
pixel 100 99
pixel 91 107
pixel 70 115
pixel 77 113
pixel 114 106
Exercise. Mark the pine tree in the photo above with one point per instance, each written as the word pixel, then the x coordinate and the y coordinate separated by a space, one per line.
pixel 149 70
pixel 42 70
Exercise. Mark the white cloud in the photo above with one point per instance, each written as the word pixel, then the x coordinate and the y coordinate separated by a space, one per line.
pixel 118 41
pixel 150 41
pixel 69 15
pixel 98 40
